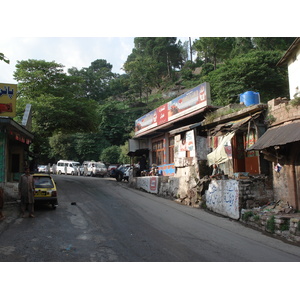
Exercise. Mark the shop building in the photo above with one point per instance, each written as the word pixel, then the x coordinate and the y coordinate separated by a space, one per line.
pixel 15 140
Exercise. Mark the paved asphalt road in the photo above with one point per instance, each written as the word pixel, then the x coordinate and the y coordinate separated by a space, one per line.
pixel 102 220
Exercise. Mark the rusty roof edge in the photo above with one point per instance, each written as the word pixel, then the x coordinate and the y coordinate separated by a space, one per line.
pixel 237 115
pixel 168 126
pixel 288 52
pixel 279 135
pixel 10 122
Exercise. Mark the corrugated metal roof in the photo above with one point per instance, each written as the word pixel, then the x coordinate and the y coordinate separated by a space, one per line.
pixel 233 124
pixel 279 135
pixel 185 128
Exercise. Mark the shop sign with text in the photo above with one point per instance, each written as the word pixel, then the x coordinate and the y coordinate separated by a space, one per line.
pixel 190 101
pixel 8 95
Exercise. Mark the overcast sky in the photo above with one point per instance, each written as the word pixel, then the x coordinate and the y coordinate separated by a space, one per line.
pixel 68 51
pixel 76 33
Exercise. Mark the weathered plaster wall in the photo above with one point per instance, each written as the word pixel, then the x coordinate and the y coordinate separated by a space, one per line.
pixel 285 182
pixel 222 197
pixel 148 183
pixel 282 111
pixel 228 197
pixel 280 183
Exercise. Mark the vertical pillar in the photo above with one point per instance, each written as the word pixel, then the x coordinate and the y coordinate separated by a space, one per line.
pixel 2 157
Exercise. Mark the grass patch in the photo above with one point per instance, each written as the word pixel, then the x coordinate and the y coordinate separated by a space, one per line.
pixel 247 215
pixel 256 218
pixel 220 113
pixel 271 224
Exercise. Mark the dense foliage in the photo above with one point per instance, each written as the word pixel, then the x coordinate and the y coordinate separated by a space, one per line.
pixel 89 114
pixel 254 71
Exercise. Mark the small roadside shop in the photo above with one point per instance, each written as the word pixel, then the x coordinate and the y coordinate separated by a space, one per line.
pixel 15 140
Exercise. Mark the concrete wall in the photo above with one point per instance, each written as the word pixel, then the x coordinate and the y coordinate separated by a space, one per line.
pixel 11 192
pixel 148 183
pixel 294 73
pixel 228 197
pixel 282 111
pixel 222 197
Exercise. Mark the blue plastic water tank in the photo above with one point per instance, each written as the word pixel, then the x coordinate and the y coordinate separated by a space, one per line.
pixel 250 98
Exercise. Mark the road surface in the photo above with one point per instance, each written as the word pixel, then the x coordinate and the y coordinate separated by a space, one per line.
pixel 102 220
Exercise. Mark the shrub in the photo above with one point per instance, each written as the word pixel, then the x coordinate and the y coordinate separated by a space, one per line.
pixel 271 224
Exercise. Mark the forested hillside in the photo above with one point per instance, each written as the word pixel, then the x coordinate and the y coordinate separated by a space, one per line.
pixel 89 114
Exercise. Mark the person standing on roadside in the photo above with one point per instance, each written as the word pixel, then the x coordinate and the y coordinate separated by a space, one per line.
pixel 26 192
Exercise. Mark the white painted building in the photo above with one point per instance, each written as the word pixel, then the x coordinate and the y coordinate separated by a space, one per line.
pixel 292 59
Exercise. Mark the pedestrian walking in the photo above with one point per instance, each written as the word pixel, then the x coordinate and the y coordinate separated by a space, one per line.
pixel 54 169
pixel 26 192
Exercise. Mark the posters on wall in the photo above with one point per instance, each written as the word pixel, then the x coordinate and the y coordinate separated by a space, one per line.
pixel 184 143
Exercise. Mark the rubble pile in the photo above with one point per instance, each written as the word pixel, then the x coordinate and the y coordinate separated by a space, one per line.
pixel 277 218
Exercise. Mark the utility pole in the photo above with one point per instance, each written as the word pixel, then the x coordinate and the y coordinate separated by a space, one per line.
pixel 191 52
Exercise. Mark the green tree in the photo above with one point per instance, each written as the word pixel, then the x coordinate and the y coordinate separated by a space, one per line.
pixel 52 115
pixel 144 73
pixel 89 146
pixel 5 59
pixel 56 105
pixel 164 50
pixel 115 124
pixel 63 147
pixel 111 154
pixel 77 146
pixel 255 71
pixel 272 43
pixel 152 59
pixel 213 49
pixel 241 45
pixel 119 86
pixel 38 77
pixel 124 158
pixel 184 51
pixel 95 80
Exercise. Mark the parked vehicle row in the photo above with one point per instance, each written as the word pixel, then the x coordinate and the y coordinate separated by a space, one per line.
pixel 122 172
pixel 87 168
pixel 67 167
pixel 96 169
pixel 111 169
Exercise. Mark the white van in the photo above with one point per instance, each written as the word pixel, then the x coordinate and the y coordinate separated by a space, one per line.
pixel 67 166
pixel 96 169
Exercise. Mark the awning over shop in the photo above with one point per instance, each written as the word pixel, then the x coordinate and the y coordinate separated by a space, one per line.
pixel 233 125
pixel 138 152
pixel 185 120
pixel 15 130
pixel 185 128
pixel 219 155
pixel 279 135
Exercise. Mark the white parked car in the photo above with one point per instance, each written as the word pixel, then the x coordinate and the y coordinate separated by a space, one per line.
pixel 97 169
pixel 42 169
